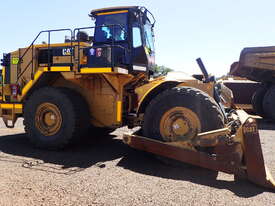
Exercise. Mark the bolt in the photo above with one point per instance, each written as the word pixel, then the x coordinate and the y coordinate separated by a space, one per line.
pixel 52 117
pixel 176 126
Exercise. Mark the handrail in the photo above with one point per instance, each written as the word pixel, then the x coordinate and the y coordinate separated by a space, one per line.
pixel 32 47
pixel 73 38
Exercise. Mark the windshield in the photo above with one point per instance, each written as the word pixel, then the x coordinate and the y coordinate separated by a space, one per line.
pixel 111 27
pixel 149 36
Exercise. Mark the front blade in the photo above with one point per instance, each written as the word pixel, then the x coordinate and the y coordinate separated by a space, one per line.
pixel 256 170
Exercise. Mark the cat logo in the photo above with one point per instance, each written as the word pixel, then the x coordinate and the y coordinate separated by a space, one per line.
pixel 66 52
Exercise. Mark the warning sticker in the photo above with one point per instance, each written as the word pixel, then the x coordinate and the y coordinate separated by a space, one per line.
pixel 14 60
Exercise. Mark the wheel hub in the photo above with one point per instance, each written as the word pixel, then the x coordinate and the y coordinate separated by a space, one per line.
pixel 180 126
pixel 179 123
pixel 48 119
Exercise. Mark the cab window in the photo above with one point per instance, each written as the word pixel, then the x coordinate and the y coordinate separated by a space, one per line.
pixel 137 42
pixel 149 36
pixel 111 27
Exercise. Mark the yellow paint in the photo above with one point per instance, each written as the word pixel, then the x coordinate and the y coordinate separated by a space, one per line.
pixel 56 69
pixel 18 106
pixel 31 82
pixel 3 74
pixel 60 69
pixel 39 73
pixel 3 82
pixel 11 106
pixel 95 70
pixel 113 12
pixel 6 106
pixel 144 90
pixel 119 112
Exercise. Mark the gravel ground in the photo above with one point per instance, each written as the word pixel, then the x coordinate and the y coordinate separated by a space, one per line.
pixel 104 171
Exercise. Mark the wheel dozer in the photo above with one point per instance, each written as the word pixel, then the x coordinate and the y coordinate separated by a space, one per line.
pixel 100 78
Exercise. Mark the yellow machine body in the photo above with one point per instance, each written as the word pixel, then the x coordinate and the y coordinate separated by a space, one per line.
pixel 103 88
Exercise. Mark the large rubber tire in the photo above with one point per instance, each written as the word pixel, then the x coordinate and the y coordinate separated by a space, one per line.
pixel 73 112
pixel 268 103
pixel 257 100
pixel 204 106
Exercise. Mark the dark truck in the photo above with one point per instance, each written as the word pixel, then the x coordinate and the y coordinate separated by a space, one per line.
pixel 258 64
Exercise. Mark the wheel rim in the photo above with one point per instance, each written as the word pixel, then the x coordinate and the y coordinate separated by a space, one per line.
pixel 179 123
pixel 48 119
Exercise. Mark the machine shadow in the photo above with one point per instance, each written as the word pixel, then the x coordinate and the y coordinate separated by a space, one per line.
pixel 97 150
pixel 266 124
pixel 81 155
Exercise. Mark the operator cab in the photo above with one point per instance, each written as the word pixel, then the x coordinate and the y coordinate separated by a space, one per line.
pixel 123 38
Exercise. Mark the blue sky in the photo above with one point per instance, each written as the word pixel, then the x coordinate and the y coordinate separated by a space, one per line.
pixel 215 30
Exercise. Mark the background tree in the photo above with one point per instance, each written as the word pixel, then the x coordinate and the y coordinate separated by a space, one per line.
pixel 160 70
